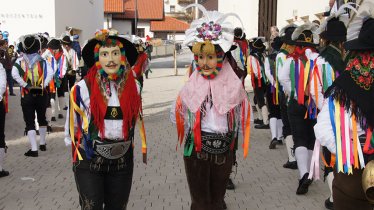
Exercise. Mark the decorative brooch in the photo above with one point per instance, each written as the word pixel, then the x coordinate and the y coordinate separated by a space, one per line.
pixel 209 31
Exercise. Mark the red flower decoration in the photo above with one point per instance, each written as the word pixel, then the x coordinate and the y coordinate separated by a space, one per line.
pixel 361 79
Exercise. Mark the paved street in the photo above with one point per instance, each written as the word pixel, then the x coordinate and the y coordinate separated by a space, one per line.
pixel 47 182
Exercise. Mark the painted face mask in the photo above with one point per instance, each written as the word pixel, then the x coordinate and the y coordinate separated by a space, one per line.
pixel 110 59
pixel 209 65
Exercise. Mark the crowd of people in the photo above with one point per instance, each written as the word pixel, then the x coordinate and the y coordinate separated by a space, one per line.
pixel 312 85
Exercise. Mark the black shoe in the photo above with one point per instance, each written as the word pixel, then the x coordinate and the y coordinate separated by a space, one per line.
pixel 12 94
pixel 53 119
pixel 4 173
pixel 279 142
pixel 65 108
pixel 224 206
pixel 32 153
pixel 262 126
pixel 303 185
pixel 230 185
pixel 258 121
pixel 49 129
pixel 43 147
pixel 329 204
pixel 290 165
pixel 273 144
pixel 60 116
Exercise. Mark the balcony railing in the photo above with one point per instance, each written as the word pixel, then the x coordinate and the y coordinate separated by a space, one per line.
pixel 186 1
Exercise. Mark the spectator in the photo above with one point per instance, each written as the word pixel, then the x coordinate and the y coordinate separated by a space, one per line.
pixel 6 61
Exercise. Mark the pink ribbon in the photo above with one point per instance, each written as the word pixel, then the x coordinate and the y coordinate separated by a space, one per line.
pixel 314 164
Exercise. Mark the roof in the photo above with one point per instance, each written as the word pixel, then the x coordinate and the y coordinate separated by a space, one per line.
pixel 147 9
pixel 169 24
pixel 114 6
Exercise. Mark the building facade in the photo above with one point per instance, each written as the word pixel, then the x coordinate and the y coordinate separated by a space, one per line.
pixel 20 17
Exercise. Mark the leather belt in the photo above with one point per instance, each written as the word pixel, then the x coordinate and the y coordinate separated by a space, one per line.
pixel 111 149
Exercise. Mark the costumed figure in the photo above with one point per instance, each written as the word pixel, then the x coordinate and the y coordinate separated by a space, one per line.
pixel 210 109
pixel 33 74
pixel 142 62
pixel 240 54
pixel 329 66
pixel 294 78
pixel 275 121
pixel 58 84
pixel 72 66
pixel 148 50
pixel 346 121
pixel 3 111
pixel 46 55
pixel 281 98
pixel 104 108
pixel 255 67
pixel 237 59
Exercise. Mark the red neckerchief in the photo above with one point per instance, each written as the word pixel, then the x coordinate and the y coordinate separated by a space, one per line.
pixel 299 53
pixel 243 46
pixel 57 55
pixel 129 98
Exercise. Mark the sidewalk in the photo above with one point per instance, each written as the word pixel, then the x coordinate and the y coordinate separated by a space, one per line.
pixel 47 182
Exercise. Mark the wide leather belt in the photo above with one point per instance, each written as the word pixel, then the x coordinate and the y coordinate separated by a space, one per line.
pixel 111 149
pixel 215 143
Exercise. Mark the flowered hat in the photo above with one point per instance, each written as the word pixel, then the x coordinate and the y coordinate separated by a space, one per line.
pixel 211 27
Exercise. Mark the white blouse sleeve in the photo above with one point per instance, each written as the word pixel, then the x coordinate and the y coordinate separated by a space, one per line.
pixel 17 77
pixel 323 129
pixel 268 74
pixel 284 76
pixel 2 81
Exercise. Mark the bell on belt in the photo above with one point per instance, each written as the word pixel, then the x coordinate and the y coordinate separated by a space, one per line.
pixel 368 181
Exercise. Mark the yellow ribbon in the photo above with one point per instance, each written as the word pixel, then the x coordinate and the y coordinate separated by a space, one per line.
pixel 74 107
pixel 338 136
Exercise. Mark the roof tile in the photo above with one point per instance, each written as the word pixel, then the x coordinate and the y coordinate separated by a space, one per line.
pixel 169 24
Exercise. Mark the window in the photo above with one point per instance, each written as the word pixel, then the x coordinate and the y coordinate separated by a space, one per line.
pixel 172 8
pixel 140 32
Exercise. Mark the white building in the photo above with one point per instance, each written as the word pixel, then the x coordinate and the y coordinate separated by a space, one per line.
pixel 20 17
pixel 248 11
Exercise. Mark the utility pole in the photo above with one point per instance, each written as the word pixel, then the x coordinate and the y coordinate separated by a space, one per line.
pixel 196 10
pixel 175 56
pixel 136 17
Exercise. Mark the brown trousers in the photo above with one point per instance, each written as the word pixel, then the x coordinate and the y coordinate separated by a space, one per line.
pixel 207 180
pixel 348 193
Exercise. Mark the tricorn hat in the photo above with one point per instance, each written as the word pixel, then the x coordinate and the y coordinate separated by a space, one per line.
pixel 30 44
pixel 88 52
pixel 305 35
pixel 333 28
pixel 66 40
pixel 257 44
pixel 286 33
pixel 365 39
pixel 277 43
pixel 54 44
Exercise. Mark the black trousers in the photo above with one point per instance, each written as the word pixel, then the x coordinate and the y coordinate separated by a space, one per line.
pixel 301 129
pixel 274 110
pixel 34 103
pixel 102 183
pixel 286 131
pixel 207 181
pixel 259 93
pixel 10 81
pixel 63 87
pixel 2 124
pixel 71 80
